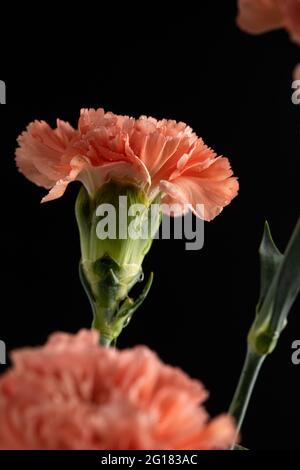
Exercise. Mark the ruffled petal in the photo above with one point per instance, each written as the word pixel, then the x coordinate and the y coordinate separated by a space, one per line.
pixel 26 166
pixel 159 144
pixel 77 164
pixel 93 177
pixel 40 151
pixel 206 192
pixel 154 155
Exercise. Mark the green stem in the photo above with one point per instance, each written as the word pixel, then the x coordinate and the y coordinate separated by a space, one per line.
pixel 105 337
pixel 240 401
pixel 106 342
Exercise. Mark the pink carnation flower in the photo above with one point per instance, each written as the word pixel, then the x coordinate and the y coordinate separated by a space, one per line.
pixel 160 156
pixel 259 16
pixel 73 394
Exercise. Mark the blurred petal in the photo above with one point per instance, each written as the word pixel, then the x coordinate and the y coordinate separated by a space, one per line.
pixel 72 394
pixel 291 18
pixel 296 72
pixel 259 16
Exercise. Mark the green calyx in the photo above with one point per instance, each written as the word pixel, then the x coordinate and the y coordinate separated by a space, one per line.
pixel 116 225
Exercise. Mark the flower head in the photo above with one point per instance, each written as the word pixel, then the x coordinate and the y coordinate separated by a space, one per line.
pixel 259 16
pixel 162 157
pixel 145 161
pixel 73 394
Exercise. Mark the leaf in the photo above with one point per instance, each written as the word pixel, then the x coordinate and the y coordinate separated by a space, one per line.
pixel 280 287
pixel 270 259
pixel 287 281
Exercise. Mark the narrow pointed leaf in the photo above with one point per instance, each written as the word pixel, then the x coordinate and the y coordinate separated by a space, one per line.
pixel 278 299
pixel 270 259
pixel 288 281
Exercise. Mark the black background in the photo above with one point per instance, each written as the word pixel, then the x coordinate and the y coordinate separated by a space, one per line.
pixel 235 91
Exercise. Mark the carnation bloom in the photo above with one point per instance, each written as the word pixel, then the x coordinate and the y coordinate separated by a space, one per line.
pixel 259 16
pixel 162 157
pixel 73 394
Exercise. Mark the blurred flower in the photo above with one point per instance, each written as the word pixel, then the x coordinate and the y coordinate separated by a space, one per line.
pixel 73 394
pixel 296 72
pixel 158 156
pixel 259 16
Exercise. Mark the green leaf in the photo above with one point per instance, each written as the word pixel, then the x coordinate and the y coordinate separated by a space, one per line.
pixel 280 287
pixel 270 259
pixel 287 281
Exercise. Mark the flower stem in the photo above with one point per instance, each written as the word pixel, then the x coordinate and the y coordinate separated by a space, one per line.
pixel 106 342
pixel 105 339
pixel 240 401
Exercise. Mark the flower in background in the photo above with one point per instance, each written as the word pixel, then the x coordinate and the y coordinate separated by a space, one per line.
pixel 260 16
pixel 163 157
pixel 73 394
pixel 296 73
